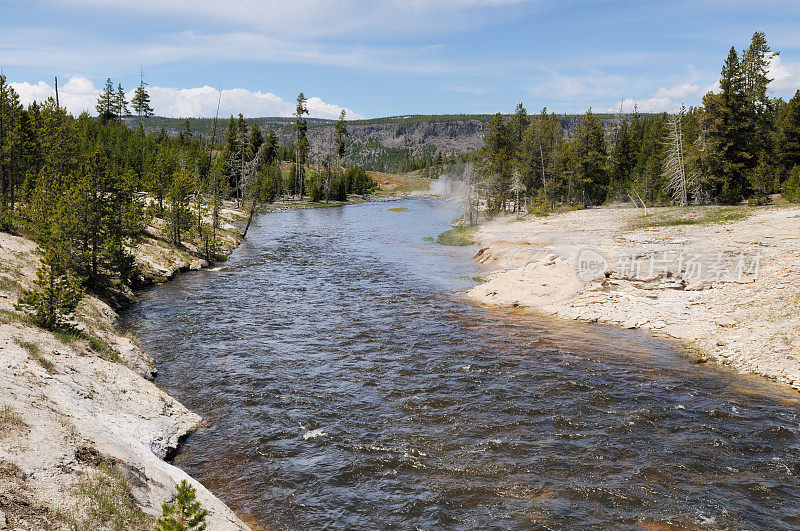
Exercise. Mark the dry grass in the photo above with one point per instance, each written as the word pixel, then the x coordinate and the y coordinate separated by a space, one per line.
pixel 9 418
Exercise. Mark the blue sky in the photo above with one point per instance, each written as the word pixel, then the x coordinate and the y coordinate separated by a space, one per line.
pixel 389 57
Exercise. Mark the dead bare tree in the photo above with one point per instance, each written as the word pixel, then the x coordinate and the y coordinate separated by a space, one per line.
pixel 214 176
pixel 467 194
pixel 679 182
pixel 517 187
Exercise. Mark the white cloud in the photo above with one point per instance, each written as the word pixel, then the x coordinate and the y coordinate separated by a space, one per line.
pixel 593 83
pixel 665 99
pixel 79 94
pixel 785 76
pixel 713 87
pixel 654 104
pixel 677 92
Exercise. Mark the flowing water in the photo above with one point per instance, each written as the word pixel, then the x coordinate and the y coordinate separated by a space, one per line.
pixel 345 383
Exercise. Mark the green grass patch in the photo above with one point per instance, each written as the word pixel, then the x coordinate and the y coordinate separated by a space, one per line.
pixel 96 344
pixel 33 350
pixel 398 209
pixel 8 284
pixel 111 501
pixel 678 216
pixel 427 239
pixel 10 316
pixel 460 235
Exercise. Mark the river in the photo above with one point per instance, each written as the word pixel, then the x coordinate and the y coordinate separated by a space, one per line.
pixel 346 383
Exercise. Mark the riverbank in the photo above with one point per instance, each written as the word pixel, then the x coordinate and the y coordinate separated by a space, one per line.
pixel 84 431
pixel 722 280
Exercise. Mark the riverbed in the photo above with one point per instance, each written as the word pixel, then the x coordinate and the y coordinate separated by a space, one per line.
pixel 345 381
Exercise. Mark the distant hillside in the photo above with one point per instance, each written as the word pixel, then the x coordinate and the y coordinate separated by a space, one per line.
pixel 380 144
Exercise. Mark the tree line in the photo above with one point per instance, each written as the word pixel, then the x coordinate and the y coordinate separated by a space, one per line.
pixel 740 144
pixel 85 188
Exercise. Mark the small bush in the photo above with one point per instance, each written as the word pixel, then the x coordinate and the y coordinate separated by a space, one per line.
pixel 185 514
pixel 761 180
pixel 540 205
pixel 791 188
pixel 51 305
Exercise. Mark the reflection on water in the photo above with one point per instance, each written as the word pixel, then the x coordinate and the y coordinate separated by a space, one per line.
pixel 345 383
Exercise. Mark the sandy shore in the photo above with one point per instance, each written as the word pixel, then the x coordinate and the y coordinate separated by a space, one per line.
pixel 724 286
pixel 82 425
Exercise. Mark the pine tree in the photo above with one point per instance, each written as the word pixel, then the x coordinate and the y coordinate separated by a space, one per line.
pixel 756 61
pixel 761 179
pixel 590 159
pixel 52 304
pixel 231 142
pixel 107 102
pixel 340 134
pixel 141 100
pixel 791 188
pixel 256 140
pixel 18 150
pixel 498 154
pixel 271 150
pixel 788 134
pixel 301 142
pixel 238 157
pixel 538 153
pixel 623 161
pixel 120 103
pixel 728 123
pixel 185 514
pixel 519 123
pixel 179 215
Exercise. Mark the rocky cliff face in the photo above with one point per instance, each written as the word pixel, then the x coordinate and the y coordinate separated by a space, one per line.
pixel 384 146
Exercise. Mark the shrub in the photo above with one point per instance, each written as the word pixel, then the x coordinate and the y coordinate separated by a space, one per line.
pixel 539 204
pixel 51 305
pixel 791 188
pixel 761 180
pixel 185 514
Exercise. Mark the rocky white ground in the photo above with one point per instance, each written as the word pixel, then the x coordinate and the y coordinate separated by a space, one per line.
pixel 730 290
